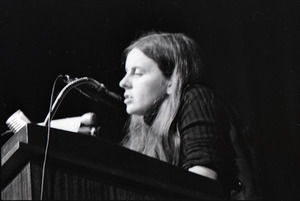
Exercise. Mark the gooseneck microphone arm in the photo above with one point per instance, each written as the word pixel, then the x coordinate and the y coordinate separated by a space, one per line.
pixel 72 84
pixel 97 92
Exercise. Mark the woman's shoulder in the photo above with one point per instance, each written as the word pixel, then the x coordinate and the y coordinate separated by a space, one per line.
pixel 198 91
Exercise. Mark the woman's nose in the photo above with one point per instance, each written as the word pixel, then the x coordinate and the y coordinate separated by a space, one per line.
pixel 124 83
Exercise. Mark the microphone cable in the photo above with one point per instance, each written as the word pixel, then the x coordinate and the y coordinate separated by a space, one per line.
pixel 48 137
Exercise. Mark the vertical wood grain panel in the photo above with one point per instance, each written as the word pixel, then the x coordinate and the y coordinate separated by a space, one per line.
pixel 20 187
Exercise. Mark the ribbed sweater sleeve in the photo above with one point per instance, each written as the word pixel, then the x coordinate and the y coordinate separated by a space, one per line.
pixel 203 127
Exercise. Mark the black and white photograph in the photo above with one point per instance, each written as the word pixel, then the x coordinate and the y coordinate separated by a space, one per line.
pixel 150 99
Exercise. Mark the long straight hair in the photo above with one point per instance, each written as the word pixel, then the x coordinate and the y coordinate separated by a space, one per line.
pixel 178 57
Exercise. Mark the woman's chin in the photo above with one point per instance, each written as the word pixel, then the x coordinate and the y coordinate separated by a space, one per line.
pixel 133 111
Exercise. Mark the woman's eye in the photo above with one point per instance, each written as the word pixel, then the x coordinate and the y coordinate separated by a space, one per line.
pixel 137 72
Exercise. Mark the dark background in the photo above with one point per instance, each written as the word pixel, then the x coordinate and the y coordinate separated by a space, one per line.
pixel 250 49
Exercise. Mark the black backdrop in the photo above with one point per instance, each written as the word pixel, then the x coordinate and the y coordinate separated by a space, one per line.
pixel 250 49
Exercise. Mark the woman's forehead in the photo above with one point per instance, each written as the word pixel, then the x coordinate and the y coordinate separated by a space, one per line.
pixel 136 58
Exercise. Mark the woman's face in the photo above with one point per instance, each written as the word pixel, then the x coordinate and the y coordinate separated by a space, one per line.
pixel 144 83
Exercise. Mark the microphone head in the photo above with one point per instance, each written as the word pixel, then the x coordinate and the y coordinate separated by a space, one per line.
pixel 88 118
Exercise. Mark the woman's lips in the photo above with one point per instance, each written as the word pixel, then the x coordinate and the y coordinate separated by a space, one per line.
pixel 127 99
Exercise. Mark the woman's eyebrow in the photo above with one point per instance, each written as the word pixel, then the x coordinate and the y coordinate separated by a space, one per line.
pixel 133 68
pixel 130 68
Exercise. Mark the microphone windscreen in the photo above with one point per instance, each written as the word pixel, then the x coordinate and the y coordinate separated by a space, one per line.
pixel 88 118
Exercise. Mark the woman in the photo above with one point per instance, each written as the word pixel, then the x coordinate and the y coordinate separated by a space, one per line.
pixel 173 116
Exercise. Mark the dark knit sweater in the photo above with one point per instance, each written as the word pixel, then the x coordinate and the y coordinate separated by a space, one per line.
pixel 204 125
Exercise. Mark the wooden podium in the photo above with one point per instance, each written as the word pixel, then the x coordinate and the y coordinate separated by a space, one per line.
pixel 86 167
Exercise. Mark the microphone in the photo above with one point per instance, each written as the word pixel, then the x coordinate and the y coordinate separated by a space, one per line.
pixel 96 91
